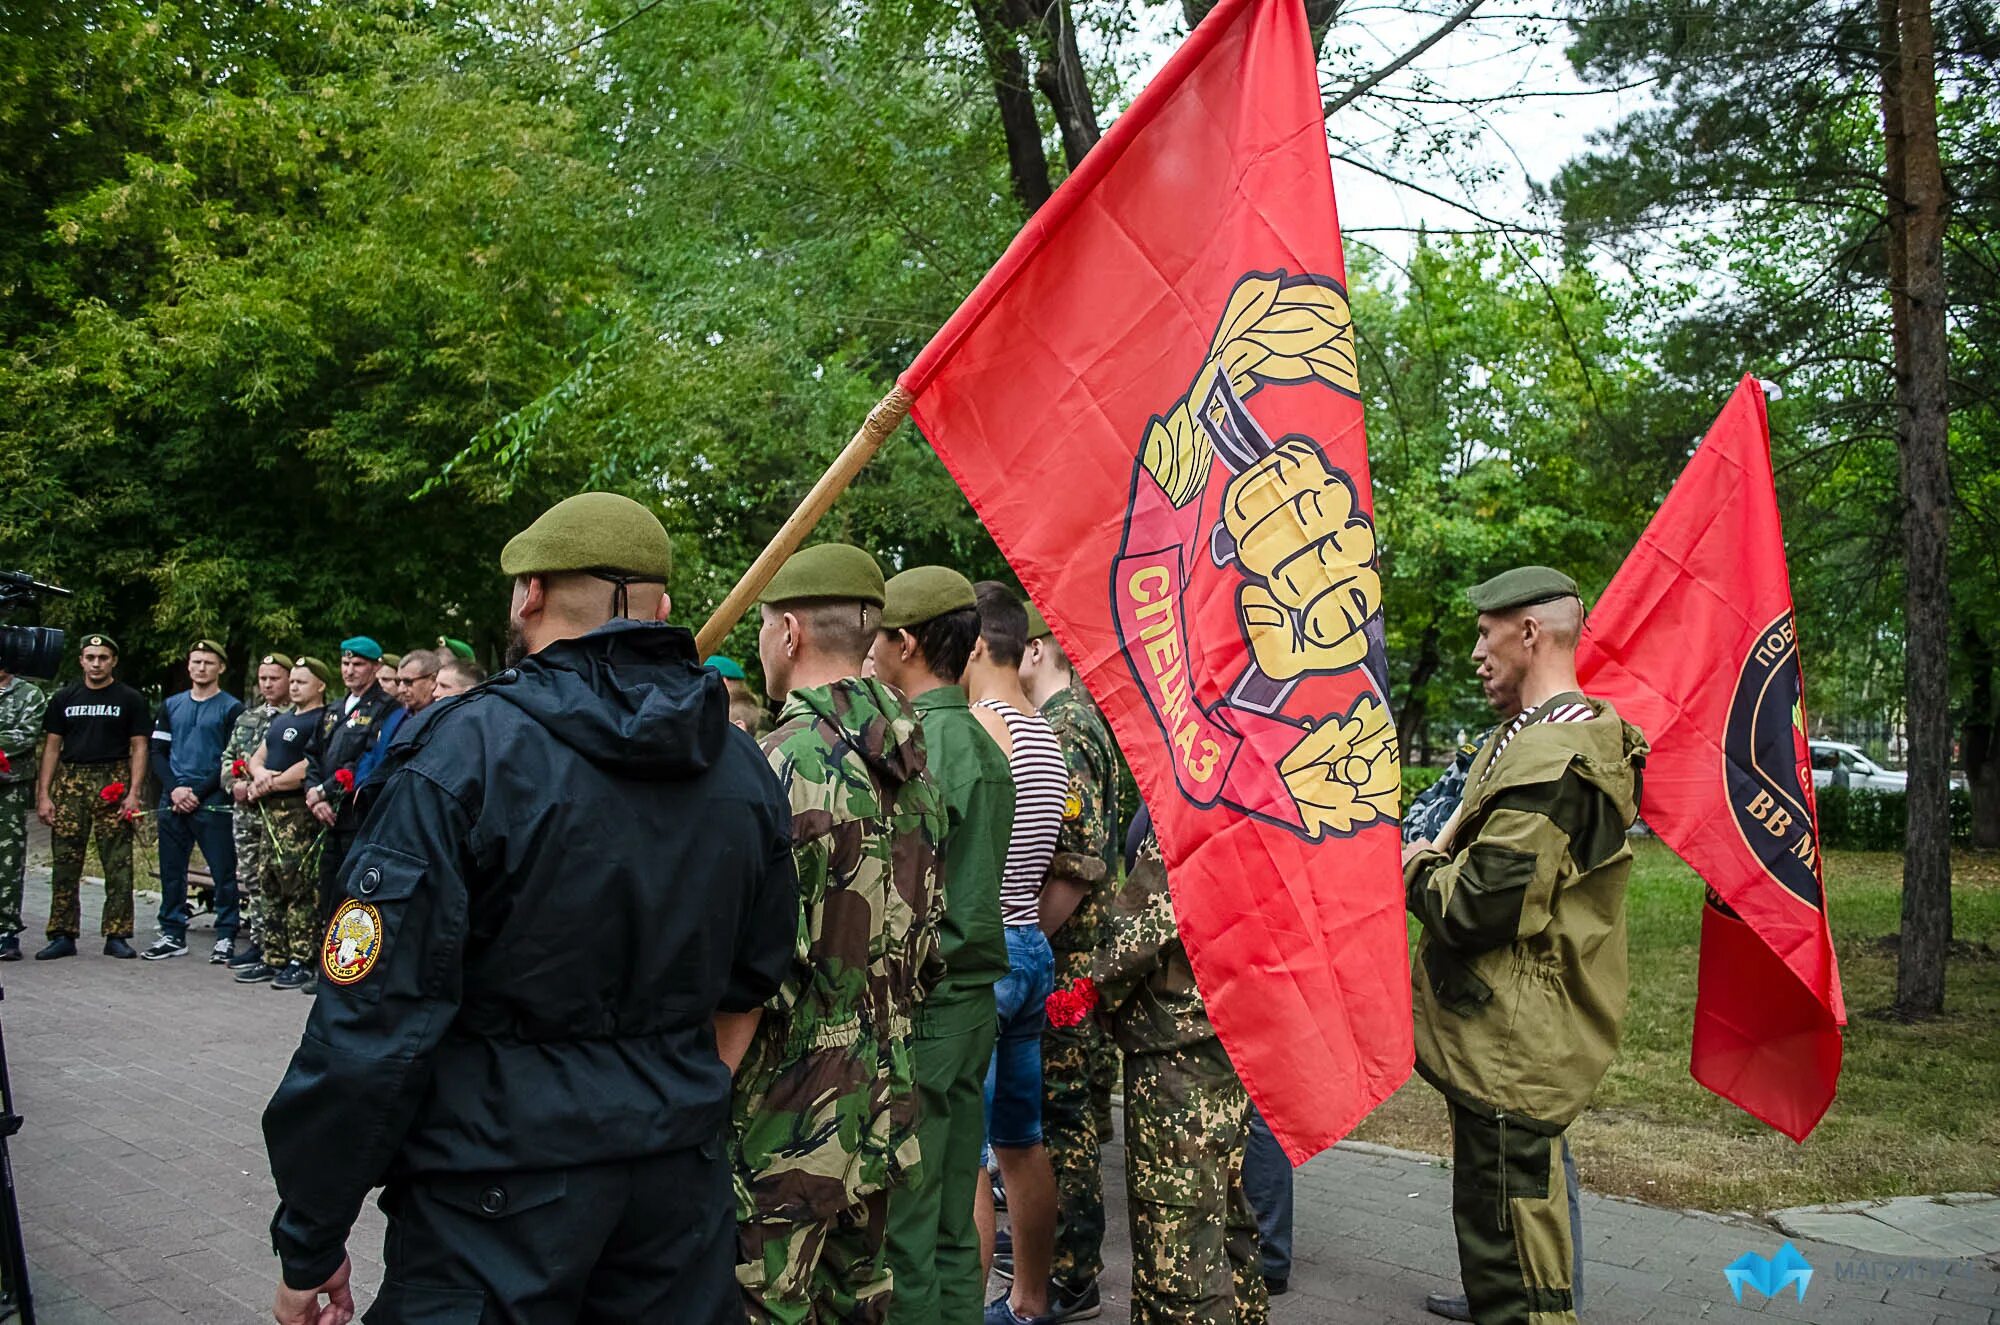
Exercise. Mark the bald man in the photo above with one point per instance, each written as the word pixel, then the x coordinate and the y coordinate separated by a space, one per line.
pixel 1520 977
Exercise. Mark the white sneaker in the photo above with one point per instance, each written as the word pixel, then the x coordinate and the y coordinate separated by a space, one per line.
pixel 220 954
pixel 166 947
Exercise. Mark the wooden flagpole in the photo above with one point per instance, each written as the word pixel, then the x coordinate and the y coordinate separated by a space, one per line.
pixel 875 429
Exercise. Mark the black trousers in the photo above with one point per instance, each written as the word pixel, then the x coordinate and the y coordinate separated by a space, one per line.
pixel 644 1240
pixel 333 857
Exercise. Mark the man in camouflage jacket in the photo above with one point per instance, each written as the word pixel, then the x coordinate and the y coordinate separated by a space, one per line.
pixel 21 705
pixel 246 819
pixel 825 1098
pixel 1082 873
pixel 1194 1235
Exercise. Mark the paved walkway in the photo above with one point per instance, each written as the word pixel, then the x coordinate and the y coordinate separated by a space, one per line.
pixel 146 1198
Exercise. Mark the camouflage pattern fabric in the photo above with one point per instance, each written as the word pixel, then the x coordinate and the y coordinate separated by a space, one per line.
pixel 1194 1236
pixel 291 840
pixel 824 1111
pixel 1085 854
pixel 245 738
pixel 21 706
pixel 1510 1210
pixel 81 812
pixel 1434 805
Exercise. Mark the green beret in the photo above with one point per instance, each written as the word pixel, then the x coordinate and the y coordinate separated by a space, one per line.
pixel 392 660
pixel 1037 627
pixel 316 667
pixel 729 668
pixel 206 645
pixel 98 640
pixel 829 570
pixel 361 647
pixel 457 648
pixel 276 659
pixel 923 593
pixel 1524 586
pixel 592 531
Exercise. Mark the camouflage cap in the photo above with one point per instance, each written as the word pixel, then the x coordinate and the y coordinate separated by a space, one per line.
pixel 98 639
pixel 276 659
pixel 1038 628
pixel 207 645
pixel 592 531
pixel 923 593
pixel 828 570
pixel 316 667
pixel 1524 586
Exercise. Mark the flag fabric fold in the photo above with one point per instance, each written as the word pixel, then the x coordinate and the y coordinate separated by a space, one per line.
pixel 1152 404
pixel 1694 642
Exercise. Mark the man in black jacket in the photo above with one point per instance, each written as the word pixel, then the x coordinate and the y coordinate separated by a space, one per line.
pixel 334 755
pixel 567 882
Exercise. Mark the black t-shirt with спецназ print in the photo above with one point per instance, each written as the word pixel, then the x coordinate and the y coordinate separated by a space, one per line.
pixel 97 726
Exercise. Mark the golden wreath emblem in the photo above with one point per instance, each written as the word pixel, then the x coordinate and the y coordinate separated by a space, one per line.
pixel 353 942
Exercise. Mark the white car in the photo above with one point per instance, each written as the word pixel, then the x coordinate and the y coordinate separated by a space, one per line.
pixel 1855 769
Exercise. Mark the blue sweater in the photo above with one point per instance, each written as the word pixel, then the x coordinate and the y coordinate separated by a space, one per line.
pixel 188 739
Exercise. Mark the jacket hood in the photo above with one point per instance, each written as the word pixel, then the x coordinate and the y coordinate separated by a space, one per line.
pixel 872 720
pixel 630 697
pixel 1604 750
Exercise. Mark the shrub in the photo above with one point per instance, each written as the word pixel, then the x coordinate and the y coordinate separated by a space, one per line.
pixel 1866 819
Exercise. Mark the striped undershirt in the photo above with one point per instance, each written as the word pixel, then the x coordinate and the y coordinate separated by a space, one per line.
pixel 1562 708
pixel 1041 784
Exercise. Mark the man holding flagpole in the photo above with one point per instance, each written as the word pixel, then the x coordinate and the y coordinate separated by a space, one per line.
pixel 1520 977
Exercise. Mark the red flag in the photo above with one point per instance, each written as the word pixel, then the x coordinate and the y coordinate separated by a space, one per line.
pixel 1151 402
pixel 1694 643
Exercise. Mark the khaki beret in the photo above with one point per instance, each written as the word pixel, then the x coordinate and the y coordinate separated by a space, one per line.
pixel 592 531
pixel 392 660
pixel 829 570
pixel 1524 586
pixel 206 645
pixel 98 640
pixel 275 659
pixel 923 593
pixel 316 667
pixel 1037 627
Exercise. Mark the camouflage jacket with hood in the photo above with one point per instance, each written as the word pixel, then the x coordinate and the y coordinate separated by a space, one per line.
pixel 826 1096
pixel 1520 977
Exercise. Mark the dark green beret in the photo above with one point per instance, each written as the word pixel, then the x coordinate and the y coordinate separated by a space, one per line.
pixel 277 659
pixel 830 570
pixel 457 648
pixel 923 593
pixel 592 531
pixel 100 640
pixel 205 645
pixel 392 660
pixel 1038 628
pixel 1524 586
pixel 316 667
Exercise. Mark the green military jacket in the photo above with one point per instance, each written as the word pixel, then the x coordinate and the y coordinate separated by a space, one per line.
pixel 1520 976
pixel 245 738
pixel 825 1106
pixel 978 789
pixel 1085 852
pixel 22 704
pixel 1145 982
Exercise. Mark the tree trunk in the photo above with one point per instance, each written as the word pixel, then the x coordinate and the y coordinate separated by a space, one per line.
pixel 1981 741
pixel 1059 73
pixel 1415 711
pixel 1027 163
pixel 1320 15
pixel 1916 199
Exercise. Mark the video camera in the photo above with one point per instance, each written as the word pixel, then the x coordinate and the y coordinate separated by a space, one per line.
pixel 28 650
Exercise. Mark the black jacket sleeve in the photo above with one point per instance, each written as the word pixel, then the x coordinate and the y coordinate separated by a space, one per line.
pixel 769 937
pixel 365 1061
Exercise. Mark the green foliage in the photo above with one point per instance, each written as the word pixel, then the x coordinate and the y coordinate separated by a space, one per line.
pixel 1869 819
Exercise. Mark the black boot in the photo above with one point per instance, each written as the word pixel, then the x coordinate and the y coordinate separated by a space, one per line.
pixel 119 948
pixel 62 945
pixel 10 948
pixel 1450 1306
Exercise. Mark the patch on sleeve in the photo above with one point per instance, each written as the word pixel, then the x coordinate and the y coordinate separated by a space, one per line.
pixel 1072 807
pixel 353 942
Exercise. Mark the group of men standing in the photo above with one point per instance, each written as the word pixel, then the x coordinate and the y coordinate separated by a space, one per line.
pixel 257 787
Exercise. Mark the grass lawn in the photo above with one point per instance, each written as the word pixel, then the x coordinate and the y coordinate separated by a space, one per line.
pixel 1919 1106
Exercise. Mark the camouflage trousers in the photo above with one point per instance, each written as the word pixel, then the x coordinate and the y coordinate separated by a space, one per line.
pixel 82 812
pixel 820 1273
pixel 1070 1131
pixel 246 826
pixel 1510 1208
pixel 1194 1235
pixel 289 840
pixel 17 801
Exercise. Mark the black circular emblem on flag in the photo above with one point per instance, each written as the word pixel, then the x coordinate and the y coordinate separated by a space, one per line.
pixel 1767 764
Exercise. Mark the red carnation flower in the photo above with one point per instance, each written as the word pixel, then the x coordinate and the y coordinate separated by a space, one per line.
pixel 344 778
pixel 6 764
pixel 1068 1007
pixel 241 768
pixel 112 792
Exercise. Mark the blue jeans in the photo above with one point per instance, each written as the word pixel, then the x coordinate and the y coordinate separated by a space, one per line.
pixel 1014 1078
pixel 1267 1181
pixel 179 835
